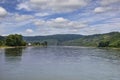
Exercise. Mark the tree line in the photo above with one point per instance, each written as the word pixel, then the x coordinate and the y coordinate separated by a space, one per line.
pixel 12 40
pixel 100 40
pixel 44 43
pixel 109 44
pixel 17 40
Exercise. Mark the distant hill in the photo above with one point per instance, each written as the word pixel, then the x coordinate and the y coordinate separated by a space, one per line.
pixel 112 38
pixel 53 39
pixel 101 40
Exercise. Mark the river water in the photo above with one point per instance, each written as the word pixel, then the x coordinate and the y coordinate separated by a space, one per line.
pixel 59 63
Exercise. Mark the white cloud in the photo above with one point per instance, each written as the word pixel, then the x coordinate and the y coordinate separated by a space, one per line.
pixel 21 18
pixel 39 22
pixel 107 6
pixel 105 9
pixel 99 10
pixel 23 6
pixel 53 5
pixel 106 26
pixel 60 20
pixel 29 31
pixel 83 21
pixel 101 28
pixel 16 18
pixel 3 12
pixel 113 20
pixel 42 14
pixel 108 2
pixel 59 23
pixel 13 23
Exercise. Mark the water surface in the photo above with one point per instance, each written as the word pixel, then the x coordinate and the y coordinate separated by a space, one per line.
pixel 59 63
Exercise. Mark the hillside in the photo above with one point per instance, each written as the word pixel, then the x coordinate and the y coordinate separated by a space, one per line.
pixel 53 39
pixel 101 40
pixel 113 40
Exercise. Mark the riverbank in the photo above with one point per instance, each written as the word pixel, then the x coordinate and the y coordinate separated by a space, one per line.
pixel 113 48
pixel 4 47
pixel 109 48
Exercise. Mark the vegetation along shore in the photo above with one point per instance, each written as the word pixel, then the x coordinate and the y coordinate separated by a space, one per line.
pixel 98 40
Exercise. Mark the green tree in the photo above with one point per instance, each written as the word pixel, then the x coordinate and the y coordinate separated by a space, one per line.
pixel 103 44
pixel 44 43
pixel 15 40
pixel 37 43
pixel 1 43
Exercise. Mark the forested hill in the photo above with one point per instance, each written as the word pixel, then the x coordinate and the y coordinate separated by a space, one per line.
pixel 101 40
pixel 53 39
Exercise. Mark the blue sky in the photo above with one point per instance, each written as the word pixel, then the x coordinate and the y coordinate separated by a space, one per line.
pixel 48 17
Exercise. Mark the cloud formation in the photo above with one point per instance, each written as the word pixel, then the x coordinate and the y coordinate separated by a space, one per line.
pixel 29 31
pixel 108 2
pixel 53 5
pixel 103 9
pixel 60 23
pixel 45 17
pixel 21 18
pixel 3 12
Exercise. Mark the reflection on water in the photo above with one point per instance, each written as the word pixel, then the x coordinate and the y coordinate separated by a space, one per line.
pixel 59 63
pixel 13 54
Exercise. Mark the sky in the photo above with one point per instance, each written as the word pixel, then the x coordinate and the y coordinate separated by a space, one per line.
pixel 48 17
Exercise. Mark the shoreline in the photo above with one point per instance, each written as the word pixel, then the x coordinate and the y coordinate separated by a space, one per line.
pixel 5 47
pixel 113 48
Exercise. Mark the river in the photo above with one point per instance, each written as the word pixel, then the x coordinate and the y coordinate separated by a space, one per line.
pixel 59 63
